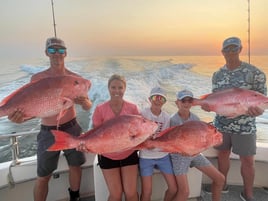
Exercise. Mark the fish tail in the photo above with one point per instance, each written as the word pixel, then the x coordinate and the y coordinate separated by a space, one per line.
pixel 63 141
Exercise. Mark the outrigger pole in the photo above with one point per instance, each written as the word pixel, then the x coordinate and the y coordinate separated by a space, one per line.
pixel 248 31
pixel 54 24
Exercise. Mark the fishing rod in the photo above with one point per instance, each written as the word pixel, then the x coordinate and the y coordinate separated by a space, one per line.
pixel 248 31
pixel 54 24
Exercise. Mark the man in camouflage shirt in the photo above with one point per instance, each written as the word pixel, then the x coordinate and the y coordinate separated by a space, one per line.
pixel 239 134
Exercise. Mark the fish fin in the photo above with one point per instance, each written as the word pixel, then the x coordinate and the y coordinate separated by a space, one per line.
pixel 60 115
pixel 164 132
pixel 204 96
pixel 143 145
pixel 63 141
pixel 91 131
pixel 28 118
pixel 66 102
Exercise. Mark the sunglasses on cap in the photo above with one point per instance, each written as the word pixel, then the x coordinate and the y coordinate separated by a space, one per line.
pixel 189 100
pixel 231 49
pixel 162 99
pixel 53 50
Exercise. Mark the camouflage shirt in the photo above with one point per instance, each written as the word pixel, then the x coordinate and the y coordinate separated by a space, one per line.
pixel 245 76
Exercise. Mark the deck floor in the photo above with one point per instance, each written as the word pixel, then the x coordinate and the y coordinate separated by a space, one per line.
pixel 233 195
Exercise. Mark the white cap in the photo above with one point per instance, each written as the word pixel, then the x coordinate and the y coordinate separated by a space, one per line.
pixel 158 91
pixel 184 93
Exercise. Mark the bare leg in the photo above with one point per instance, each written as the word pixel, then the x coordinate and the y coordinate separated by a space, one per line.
pixel 113 181
pixel 129 176
pixel 224 162
pixel 41 188
pixel 75 177
pixel 172 187
pixel 217 180
pixel 248 174
pixel 146 188
pixel 183 188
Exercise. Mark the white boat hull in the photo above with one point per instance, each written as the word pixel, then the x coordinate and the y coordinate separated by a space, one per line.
pixel 24 176
pixel 18 181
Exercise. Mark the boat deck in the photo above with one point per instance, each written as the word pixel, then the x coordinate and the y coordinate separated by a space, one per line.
pixel 233 195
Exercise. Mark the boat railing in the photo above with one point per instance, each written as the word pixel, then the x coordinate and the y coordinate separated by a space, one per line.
pixel 14 143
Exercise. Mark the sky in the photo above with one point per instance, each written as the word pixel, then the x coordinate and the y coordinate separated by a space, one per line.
pixel 131 27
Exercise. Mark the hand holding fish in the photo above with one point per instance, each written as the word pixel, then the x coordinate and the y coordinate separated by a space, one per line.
pixel 17 116
pixel 82 147
pixel 205 107
pixel 85 102
pixel 255 111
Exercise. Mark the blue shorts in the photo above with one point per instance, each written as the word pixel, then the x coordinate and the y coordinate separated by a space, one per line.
pixel 147 165
pixel 47 161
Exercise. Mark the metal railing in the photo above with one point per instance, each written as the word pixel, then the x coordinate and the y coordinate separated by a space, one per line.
pixel 14 143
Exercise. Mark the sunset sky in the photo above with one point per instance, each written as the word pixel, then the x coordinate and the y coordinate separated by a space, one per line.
pixel 131 27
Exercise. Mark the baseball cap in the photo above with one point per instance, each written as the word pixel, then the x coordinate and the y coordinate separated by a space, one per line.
pixel 231 41
pixel 184 93
pixel 158 91
pixel 55 42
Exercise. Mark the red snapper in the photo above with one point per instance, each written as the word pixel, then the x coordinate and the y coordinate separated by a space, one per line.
pixel 232 102
pixel 46 97
pixel 118 134
pixel 189 139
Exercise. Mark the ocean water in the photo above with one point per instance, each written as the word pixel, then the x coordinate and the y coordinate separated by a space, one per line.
pixel 142 73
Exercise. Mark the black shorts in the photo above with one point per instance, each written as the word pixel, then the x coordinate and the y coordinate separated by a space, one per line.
pixel 47 161
pixel 107 163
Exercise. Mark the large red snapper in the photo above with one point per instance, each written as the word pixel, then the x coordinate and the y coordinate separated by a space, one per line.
pixel 46 97
pixel 118 134
pixel 232 102
pixel 189 139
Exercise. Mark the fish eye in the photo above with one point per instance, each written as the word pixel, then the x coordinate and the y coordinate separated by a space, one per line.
pixel 133 137
pixel 76 82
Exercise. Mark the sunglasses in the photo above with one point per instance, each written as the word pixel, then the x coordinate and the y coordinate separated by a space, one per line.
pixel 53 50
pixel 162 99
pixel 189 100
pixel 231 49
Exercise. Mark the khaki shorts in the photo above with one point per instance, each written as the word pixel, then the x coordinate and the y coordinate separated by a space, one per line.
pixel 242 145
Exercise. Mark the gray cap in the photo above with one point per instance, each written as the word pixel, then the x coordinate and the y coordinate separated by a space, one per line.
pixel 184 93
pixel 231 41
pixel 55 42
pixel 158 91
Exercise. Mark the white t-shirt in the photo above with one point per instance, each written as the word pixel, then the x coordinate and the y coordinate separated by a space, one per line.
pixel 163 121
